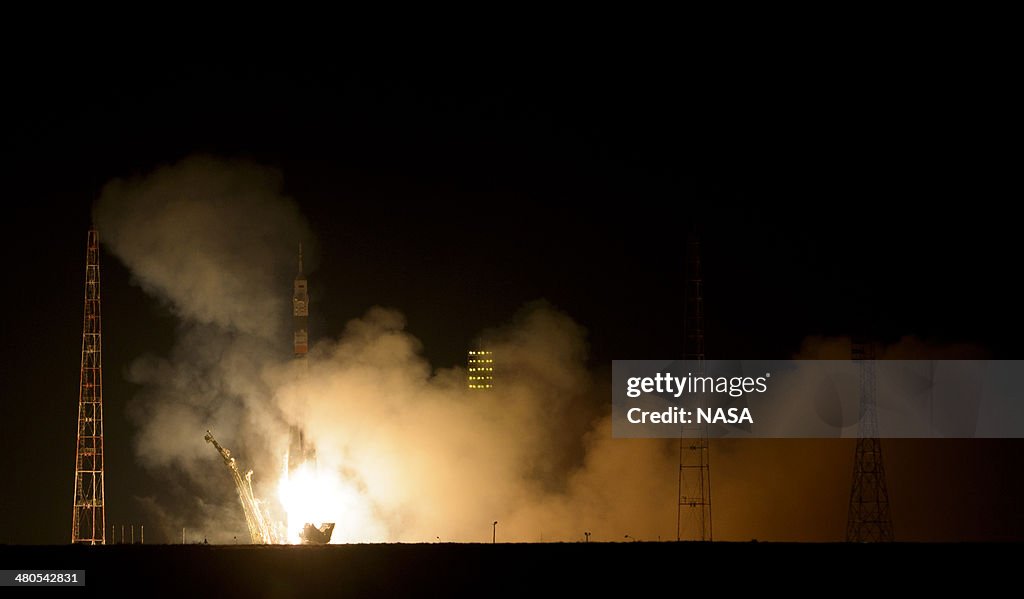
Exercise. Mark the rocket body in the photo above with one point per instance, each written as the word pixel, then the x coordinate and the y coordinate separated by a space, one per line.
pixel 299 450
pixel 300 312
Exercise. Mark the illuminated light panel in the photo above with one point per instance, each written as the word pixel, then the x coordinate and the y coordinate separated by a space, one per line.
pixel 480 364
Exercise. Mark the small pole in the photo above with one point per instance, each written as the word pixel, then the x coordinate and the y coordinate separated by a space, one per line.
pixel 122 534
pixel 133 534
pixel 587 535
pixel 142 533
pixel 494 532
pixel 182 535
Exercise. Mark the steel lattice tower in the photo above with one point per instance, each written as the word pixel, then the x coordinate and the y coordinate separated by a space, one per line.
pixel 693 517
pixel 869 519
pixel 89 522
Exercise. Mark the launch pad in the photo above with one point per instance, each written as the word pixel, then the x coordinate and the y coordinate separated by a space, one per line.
pixel 317 535
pixel 264 530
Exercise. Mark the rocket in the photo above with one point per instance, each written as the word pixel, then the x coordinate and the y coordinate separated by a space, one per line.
pixel 300 311
pixel 299 450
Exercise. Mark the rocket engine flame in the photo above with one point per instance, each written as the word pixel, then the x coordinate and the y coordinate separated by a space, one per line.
pixel 310 495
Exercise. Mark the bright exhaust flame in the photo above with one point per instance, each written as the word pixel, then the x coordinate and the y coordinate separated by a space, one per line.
pixel 316 496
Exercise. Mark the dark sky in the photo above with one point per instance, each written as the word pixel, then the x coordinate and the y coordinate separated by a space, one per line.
pixel 829 198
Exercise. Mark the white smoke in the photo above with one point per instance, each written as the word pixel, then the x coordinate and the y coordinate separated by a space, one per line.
pixel 421 456
pixel 209 236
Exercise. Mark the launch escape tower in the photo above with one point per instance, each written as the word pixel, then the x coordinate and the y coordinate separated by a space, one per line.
pixel 89 521
pixel 869 519
pixel 693 517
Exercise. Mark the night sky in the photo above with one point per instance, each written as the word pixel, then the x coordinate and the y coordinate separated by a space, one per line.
pixel 828 201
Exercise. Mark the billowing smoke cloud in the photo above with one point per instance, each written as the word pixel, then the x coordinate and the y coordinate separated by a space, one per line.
pixel 209 236
pixel 416 455
pixel 214 239
pixel 419 456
